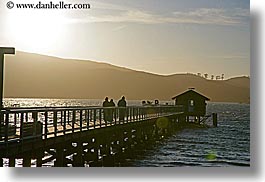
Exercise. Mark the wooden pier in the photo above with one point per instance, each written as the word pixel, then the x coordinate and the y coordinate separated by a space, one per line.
pixel 84 136
pixel 79 136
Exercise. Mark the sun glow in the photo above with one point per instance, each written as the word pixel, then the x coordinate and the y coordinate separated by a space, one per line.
pixel 35 31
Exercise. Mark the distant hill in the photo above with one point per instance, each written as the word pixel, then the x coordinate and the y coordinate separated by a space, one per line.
pixel 37 76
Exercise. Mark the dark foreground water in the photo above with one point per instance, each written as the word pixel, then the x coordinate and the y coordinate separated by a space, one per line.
pixel 226 145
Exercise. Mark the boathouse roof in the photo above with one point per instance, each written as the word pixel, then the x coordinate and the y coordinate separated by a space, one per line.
pixel 191 92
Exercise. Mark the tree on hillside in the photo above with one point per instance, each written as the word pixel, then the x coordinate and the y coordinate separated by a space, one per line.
pixel 206 75
pixel 212 77
pixel 199 74
pixel 217 77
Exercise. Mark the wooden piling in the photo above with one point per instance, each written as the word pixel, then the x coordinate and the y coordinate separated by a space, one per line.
pixel 78 158
pixel 59 157
pixel 215 119
pixel 95 147
pixel 12 161
pixel 27 161
pixel 39 159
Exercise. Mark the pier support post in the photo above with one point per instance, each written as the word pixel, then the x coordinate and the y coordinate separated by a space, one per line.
pixel 59 157
pixel 108 159
pixel 12 162
pixel 78 158
pixel 128 142
pixel 139 137
pixel 94 154
pixel 1 162
pixel 215 119
pixel 39 159
pixel 26 161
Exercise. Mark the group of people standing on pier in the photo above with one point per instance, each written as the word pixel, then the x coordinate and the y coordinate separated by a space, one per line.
pixel 110 113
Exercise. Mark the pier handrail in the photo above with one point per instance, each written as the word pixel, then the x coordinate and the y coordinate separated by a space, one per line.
pixel 10 109
pixel 45 122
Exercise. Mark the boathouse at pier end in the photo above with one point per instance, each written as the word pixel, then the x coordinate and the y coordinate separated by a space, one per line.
pixel 194 103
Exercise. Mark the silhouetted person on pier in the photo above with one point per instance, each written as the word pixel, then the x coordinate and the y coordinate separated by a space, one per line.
pixel 111 103
pixel 122 104
pixel 112 110
pixel 106 113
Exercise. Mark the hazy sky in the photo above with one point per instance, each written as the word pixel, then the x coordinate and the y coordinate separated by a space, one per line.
pixel 164 37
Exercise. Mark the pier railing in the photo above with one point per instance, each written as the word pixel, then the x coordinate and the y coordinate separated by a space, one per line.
pixel 41 123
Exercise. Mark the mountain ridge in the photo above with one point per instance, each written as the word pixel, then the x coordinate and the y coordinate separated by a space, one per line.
pixel 39 76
